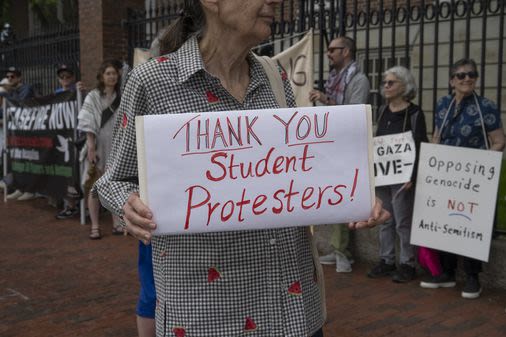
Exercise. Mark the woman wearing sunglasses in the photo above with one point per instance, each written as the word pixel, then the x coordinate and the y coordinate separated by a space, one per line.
pixel 467 120
pixel 399 115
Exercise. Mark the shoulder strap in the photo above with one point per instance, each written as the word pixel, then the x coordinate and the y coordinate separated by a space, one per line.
pixel 272 71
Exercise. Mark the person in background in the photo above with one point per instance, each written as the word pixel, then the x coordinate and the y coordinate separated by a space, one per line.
pixel 96 119
pixel 465 119
pixel 205 72
pixel 398 116
pixel 67 81
pixel 346 85
pixel 16 92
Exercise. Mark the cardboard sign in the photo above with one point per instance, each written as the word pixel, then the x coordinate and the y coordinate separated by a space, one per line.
pixel 238 170
pixel 297 61
pixel 455 199
pixel 394 157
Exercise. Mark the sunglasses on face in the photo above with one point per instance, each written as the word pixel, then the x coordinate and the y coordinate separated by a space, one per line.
pixel 333 49
pixel 472 75
pixel 10 77
pixel 389 83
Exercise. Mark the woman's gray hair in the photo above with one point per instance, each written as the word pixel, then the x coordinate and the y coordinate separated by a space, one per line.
pixel 404 75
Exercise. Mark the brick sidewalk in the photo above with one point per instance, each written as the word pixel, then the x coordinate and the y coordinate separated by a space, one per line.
pixel 56 282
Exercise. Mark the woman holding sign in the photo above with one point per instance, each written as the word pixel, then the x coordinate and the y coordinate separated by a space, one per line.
pixel 467 120
pixel 223 283
pixel 397 117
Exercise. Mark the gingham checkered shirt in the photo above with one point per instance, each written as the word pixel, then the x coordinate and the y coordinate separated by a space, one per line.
pixel 254 283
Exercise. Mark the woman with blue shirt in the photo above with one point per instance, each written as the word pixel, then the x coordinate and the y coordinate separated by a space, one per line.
pixel 467 120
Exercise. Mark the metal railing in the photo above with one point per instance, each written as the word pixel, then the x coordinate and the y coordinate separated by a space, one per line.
pixel 38 57
pixel 425 36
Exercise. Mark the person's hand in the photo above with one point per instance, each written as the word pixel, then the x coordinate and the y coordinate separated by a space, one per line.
pixel 316 95
pixel 138 219
pixel 80 86
pixel 92 154
pixel 379 216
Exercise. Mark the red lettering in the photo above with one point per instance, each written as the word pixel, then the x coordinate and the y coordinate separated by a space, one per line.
pixel 231 131
pixel 203 134
pixel 229 215
pixel 218 133
pixel 306 197
pixel 214 160
pixel 320 195
pixel 241 203
pixel 288 197
pixel 250 132
pixel 304 158
pixel 277 210
pixel 286 125
pixel 257 203
pixel 308 123
pixel 325 125
pixel 190 206
pixel 336 191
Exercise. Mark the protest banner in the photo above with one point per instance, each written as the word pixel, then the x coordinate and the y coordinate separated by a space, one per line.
pixel 394 157
pixel 235 170
pixel 455 199
pixel 40 144
pixel 297 62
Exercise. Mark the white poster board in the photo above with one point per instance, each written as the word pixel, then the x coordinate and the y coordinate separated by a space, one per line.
pixel 394 158
pixel 455 199
pixel 237 170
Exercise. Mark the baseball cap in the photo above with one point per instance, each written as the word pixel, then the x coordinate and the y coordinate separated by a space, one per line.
pixel 13 70
pixel 64 67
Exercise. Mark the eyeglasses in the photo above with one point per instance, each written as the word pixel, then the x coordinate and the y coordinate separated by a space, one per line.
pixel 389 83
pixel 333 49
pixel 10 77
pixel 472 75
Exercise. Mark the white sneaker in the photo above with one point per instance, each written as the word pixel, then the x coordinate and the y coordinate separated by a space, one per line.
pixel 26 196
pixel 14 195
pixel 328 259
pixel 2 185
pixel 343 265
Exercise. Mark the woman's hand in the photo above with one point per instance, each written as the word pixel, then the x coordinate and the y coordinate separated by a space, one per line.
pixel 138 219
pixel 378 217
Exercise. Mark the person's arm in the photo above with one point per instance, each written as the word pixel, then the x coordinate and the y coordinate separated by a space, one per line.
pixel 90 144
pixel 359 90
pixel 496 139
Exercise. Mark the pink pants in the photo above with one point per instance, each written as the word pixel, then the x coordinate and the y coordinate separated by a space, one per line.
pixel 429 259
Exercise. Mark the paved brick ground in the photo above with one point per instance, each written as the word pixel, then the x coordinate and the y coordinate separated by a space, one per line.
pixel 56 282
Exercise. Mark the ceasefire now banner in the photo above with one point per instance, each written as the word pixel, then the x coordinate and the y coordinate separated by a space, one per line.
pixel 40 144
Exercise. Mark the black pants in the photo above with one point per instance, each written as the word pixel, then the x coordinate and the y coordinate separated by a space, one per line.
pixel 318 333
pixel 449 264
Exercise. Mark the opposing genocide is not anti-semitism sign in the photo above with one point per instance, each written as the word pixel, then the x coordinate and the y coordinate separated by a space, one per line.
pixel 455 199
pixel 254 169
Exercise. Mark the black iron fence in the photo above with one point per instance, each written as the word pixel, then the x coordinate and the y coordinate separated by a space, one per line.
pixel 38 57
pixel 426 36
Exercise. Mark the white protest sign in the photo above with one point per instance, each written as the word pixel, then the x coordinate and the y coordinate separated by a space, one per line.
pixel 394 157
pixel 297 61
pixel 236 170
pixel 455 199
